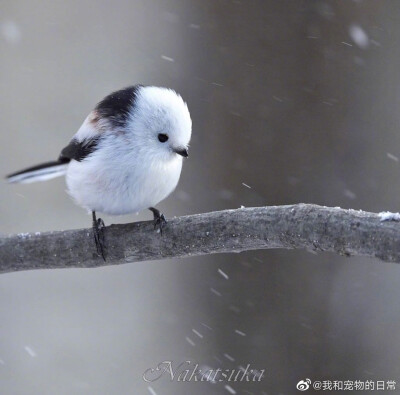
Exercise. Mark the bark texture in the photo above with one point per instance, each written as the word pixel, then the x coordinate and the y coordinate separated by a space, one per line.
pixel 303 226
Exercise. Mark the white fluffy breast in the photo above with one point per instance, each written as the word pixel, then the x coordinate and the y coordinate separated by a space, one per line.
pixel 112 181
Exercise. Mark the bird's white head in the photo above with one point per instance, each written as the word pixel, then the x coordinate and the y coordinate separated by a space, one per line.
pixel 160 123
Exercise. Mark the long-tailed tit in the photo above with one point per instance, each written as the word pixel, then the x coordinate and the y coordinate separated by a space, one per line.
pixel 126 156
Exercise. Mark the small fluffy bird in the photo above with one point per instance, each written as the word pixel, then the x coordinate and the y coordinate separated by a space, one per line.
pixel 126 157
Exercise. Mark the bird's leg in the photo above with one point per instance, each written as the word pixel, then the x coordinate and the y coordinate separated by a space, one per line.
pixel 98 232
pixel 158 219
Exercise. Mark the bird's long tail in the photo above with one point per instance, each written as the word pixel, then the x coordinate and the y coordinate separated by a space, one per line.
pixel 42 172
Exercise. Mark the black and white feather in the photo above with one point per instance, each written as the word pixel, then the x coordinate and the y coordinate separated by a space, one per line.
pixel 43 172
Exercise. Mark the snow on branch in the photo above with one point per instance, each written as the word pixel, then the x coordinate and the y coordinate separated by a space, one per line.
pixel 300 226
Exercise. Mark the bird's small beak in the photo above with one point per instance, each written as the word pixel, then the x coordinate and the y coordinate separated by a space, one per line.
pixel 182 151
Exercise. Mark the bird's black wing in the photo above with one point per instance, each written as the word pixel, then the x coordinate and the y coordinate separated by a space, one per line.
pixel 78 150
pixel 115 109
pixel 117 106
pixel 74 150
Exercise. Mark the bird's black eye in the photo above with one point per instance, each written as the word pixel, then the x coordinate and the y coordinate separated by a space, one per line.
pixel 162 137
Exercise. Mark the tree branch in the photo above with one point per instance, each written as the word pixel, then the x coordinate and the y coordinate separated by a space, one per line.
pixel 305 226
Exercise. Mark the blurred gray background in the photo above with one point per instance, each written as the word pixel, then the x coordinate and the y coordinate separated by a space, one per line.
pixel 297 99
